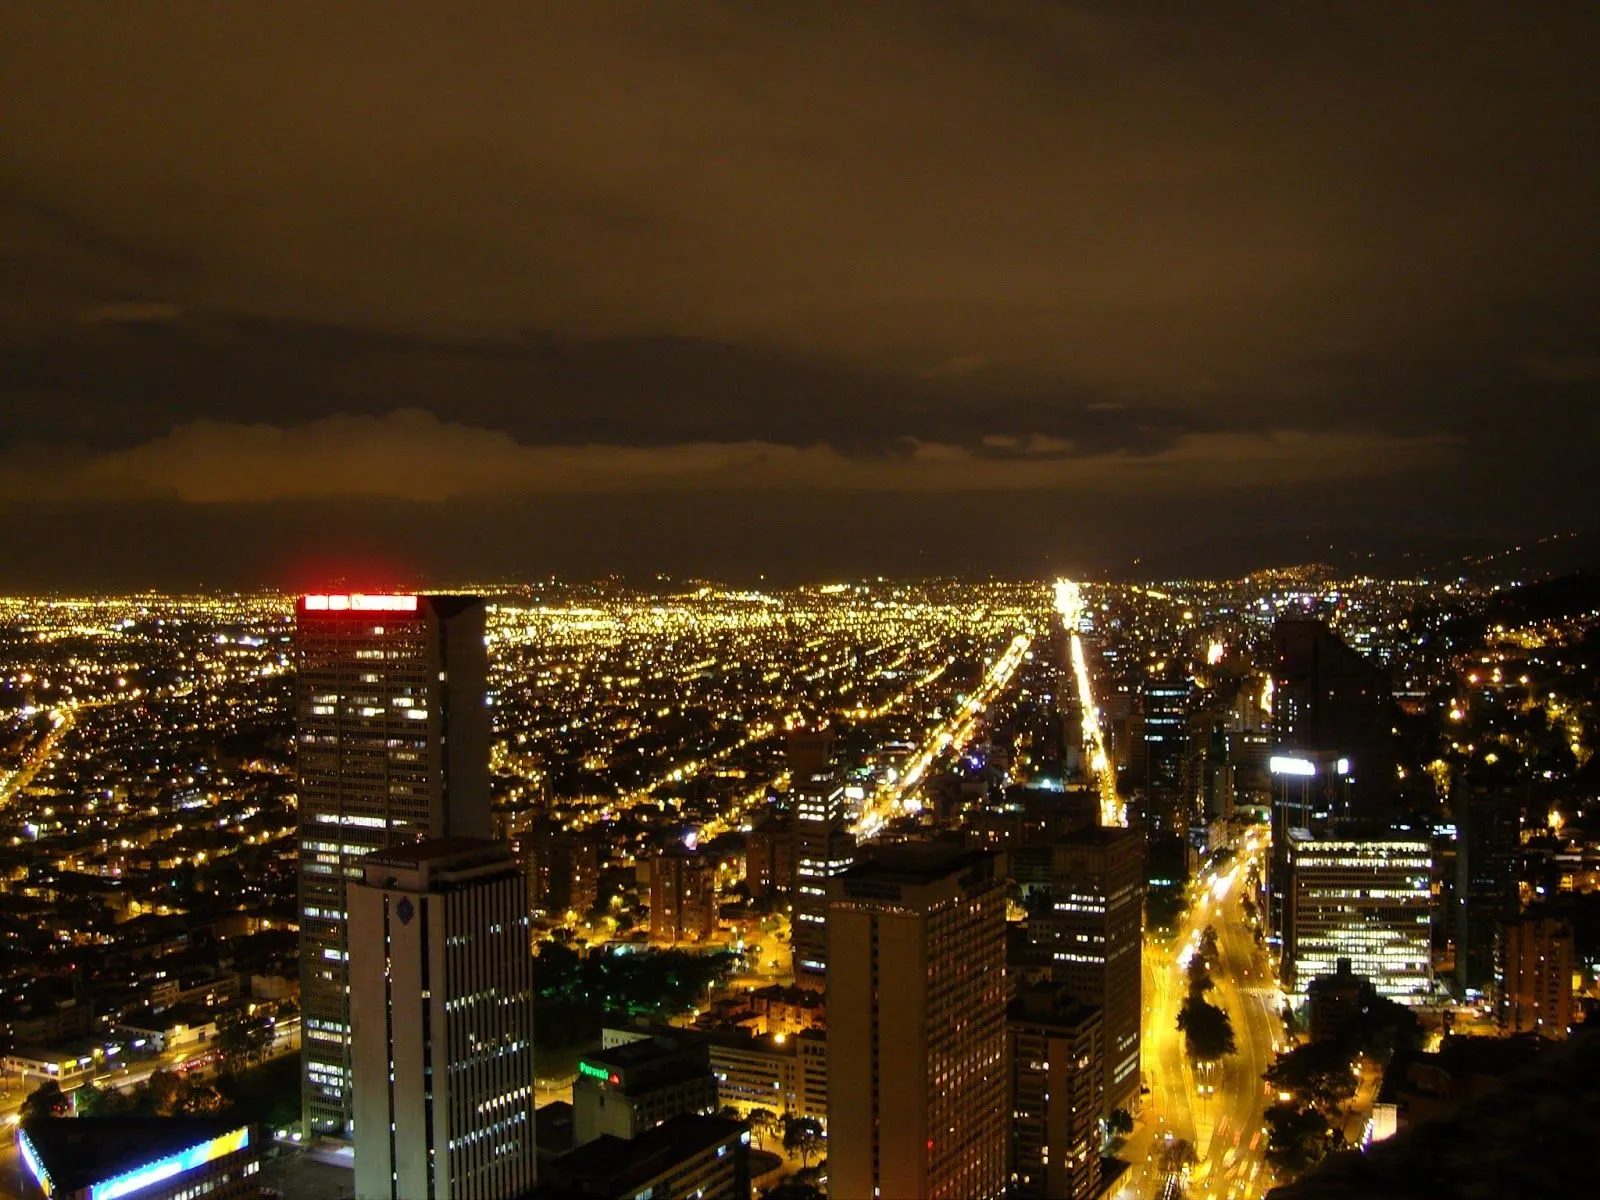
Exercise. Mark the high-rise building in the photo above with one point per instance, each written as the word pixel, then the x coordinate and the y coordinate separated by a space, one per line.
pixel 823 848
pixel 1093 935
pixel 683 897
pixel 1534 976
pixel 1488 838
pixel 917 1025
pixel 1057 1094
pixel 393 747
pixel 1328 697
pixel 1310 796
pixel 441 1002
pixel 1366 900
pixel 1166 733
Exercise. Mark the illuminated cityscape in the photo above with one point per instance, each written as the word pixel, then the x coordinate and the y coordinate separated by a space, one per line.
pixel 891 601
pixel 658 753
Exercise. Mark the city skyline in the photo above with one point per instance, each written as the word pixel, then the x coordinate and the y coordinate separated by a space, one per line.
pixel 1045 288
pixel 979 601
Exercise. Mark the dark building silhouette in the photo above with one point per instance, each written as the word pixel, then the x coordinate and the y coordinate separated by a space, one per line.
pixel 1327 697
pixel 1488 838
pixel 1332 758
pixel 1165 703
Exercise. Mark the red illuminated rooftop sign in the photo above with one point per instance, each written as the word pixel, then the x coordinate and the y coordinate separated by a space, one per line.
pixel 356 602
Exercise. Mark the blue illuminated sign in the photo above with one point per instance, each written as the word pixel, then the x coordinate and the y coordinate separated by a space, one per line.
pixel 173 1164
pixel 35 1167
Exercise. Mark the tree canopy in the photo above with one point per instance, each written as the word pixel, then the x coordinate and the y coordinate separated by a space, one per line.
pixel 1319 1074
pixel 1207 1031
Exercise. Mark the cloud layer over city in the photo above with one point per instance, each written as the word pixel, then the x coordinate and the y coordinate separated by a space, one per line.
pixel 1203 268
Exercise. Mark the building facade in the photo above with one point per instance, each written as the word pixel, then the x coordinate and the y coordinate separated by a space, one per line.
pixel 393 747
pixel 823 849
pixel 917 1084
pixel 1533 976
pixel 637 1084
pixel 1366 900
pixel 691 1157
pixel 1057 1063
pixel 441 996
pixel 683 898
pixel 1166 733
pixel 1093 936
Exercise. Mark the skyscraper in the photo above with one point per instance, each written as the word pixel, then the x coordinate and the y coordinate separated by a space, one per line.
pixel 1093 937
pixel 441 1002
pixel 1488 837
pixel 917 1084
pixel 1310 796
pixel 393 747
pixel 1057 1088
pixel 1328 697
pixel 1166 733
pixel 822 848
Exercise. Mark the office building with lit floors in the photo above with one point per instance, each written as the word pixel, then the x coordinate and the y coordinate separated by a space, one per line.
pixel 1311 792
pixel 441 1001
pixel 823 848
pixel 1533 976
pixel 1368 900
pixel 393 747
pixel 1166 735
pixel 917 1084
pixel 1092 938
pixel 1057 1066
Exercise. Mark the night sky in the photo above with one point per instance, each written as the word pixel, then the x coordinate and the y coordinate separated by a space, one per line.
pixel 301 291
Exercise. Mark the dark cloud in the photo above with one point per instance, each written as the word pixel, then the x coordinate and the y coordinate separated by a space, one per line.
pixel 1163 250
pixel 412 455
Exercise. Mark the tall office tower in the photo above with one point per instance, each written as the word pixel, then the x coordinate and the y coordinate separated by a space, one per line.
pixel 1208 779
pixel 1093 936
pixel 441 1004
pixel 1327 697
pixel 393 747
pixel 1310 796
pixel 1057 1087
pixel 823 848
pixel 1488 838
pixel 683 897
pixel 1534 976
pixel 1367 900
pixel 917 1026
pixel 1166 733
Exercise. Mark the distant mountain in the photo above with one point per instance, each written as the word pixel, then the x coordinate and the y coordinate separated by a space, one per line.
pixel 1525 604
pixel 1381 553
